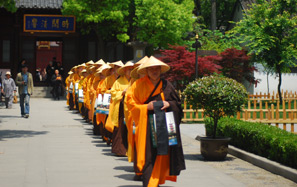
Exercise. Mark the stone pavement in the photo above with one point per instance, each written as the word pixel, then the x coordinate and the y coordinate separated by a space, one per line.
pixel 54 147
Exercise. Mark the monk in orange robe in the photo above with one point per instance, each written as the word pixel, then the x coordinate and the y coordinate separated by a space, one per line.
pixel 75 80
pixel 147 92
pixel 92 88
pixel 104 71
pixel 106 88
pixel 67 82
pixel 118 90
pixel 131 153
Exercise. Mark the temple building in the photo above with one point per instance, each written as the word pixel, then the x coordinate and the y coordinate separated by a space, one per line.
pixel 39 33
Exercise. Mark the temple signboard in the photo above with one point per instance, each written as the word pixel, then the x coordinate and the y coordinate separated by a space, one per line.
pixel 49 23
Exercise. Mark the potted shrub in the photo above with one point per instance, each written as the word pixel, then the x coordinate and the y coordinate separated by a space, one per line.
pixel 218 96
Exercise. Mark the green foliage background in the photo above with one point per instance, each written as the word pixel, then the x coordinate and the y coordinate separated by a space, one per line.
pixel 157 22
pixel 9 5
pixel 264 140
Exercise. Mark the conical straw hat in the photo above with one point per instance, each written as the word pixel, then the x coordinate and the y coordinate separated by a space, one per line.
pixel 82 65
pixel 151 62
pixel 92 67
pixel 103 69
pixel 90 63
pixel 100 62
pixel 117 63
pixel 141 61
pixel 121 70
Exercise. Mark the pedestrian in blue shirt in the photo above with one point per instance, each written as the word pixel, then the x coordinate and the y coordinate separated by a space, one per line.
pixel 24 80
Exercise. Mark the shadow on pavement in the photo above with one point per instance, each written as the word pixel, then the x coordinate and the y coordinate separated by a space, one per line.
pixel 5 134
pixel 128 177
pixel 18 116
pixel 125 168
pixel 122 159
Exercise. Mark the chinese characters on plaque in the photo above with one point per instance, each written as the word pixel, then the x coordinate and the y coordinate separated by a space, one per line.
pixel 49 23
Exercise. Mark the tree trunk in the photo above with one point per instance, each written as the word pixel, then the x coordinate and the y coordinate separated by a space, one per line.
pixel 198 7
pixel 279 85
pixel 213 15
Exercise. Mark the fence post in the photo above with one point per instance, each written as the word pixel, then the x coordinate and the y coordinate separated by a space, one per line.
pixel 185 108
pixel 284 110
pixel 272 111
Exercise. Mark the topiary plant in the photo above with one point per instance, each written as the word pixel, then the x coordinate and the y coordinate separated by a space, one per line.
pixel 217 95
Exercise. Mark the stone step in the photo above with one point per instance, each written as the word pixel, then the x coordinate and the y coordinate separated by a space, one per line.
pixel 42 92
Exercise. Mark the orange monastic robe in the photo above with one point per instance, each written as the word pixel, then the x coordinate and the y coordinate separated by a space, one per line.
pixel 141 90
pixel 93 96
pixel 88 93
pixel 67 82
pixel 100 117
pixel 107 84
pixel 80 86
pixel 129 122
pixel 116 96
pixel 85 89
pixel 76 79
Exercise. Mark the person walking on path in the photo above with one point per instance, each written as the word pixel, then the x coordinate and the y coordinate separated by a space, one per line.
pixel 57 85
pixel 8 89
pixel 24 81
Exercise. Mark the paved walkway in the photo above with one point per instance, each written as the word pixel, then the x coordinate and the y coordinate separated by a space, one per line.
pixel 55 148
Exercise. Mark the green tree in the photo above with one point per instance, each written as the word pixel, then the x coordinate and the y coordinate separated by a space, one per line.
pixel 163 22
pixel 9 5
pixel 269 30
pixel 224 9
pixel 157 22
pixel 108 18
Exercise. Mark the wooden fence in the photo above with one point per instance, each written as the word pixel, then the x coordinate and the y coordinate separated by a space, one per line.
pixel 264 108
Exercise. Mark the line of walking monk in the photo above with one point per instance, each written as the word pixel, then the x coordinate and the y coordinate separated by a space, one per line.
pixel 143 118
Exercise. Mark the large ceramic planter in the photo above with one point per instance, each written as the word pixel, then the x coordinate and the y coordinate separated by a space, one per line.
pixel 214 149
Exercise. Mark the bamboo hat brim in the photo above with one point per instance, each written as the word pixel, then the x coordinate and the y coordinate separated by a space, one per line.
pixel 103 69
pixel 117 63
pixel 151 62
pixel 90 63
pixel 141 61
pixel 121 70
pixel 100 62
pixel 82 65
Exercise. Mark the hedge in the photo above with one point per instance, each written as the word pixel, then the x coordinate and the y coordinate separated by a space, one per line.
pixel 258 138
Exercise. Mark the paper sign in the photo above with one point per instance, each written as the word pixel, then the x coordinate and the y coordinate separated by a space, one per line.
pixel 100 101
pixel 70 87
pixel 106 100
pixel 170 122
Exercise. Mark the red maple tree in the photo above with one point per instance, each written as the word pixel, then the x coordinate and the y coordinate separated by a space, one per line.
pixel 182 63
pixel 232 63
pixel 236 64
